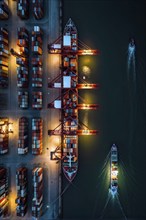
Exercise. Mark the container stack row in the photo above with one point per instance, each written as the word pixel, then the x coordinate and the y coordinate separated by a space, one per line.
pixel 4 55
pixel 22 60
pixel 37 100
pixel 3 192
pixel 23 99
pixel 4 136
pixel 37 71
pixel 37 136
pixel 37 201
pixel 23 9
pixel 37 43
pixel 4 10
pixel 23 136
pixel 21 185
pixel 38 9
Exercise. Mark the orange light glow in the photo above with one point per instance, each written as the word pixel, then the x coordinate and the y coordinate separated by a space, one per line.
pixel 87 52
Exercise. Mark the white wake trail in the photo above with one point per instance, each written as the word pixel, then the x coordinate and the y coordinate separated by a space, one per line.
pixel 131 68
pixel 107 201
pixel 119 203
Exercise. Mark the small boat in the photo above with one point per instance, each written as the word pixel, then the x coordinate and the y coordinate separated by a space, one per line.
pixel 131 46
pixel 114 170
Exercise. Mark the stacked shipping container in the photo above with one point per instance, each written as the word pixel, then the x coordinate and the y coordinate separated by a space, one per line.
pixel 23 9
pixel 37 135
pixel 37 76
pixel 4 135
pixel 4 9
pixel 4 54
pixel 23 99
pixel 37 201
pixel 37 42
pixel 22 70
pixel 3 192
pixel 23 136
pixel 21 185
pixel 37 100
pixel 38 9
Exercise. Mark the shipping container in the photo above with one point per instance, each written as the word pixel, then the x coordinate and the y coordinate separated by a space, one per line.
pixel 3 192
pixel 22 43
pixel 37 77
pixel 23 99
pixel 4 10
pixel 22 77
pixel 22 61
pixel 23 136
pixel 37 40
pixel 38 9
pixel 3 32
pixel 22 57
pixel 22 191
pixel 36 61
pixel 37 100
pixel 23 9
pixel 37 200
pixel 4 54
pixel 37 136
pixel 22 33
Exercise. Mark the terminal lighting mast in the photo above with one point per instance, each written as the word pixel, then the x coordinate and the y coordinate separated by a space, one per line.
pixel 68 81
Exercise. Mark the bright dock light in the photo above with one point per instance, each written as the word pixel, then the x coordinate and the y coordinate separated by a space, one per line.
pixel 87 52
pixel 55 59
pixel 86 70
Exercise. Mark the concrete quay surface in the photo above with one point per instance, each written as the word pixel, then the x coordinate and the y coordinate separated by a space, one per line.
pixel 51 25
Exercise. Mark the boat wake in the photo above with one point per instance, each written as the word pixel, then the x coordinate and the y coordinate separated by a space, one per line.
pixel 132 93
pixel 120 205
pixel 113 195
pixel 129 176
pixel 104 169
pixel 105 206
pixel 131 69
pixel 115 200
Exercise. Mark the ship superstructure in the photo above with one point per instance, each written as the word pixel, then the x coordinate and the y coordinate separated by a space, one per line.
pixel 114 170
pixel 68 102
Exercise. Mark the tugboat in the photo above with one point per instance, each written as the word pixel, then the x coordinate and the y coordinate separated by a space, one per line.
pixel 114 171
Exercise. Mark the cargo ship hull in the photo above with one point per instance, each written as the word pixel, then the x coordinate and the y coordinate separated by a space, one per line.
pixel 70 101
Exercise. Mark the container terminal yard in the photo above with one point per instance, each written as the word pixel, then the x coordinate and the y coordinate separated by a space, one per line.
pixel 38 75
pixel 20 103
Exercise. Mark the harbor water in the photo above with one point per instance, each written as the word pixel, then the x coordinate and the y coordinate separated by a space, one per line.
pixel 121 118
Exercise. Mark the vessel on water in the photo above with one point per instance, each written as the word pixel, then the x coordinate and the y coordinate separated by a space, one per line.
pixel 68 102
pixel 131 46
pixel 114 170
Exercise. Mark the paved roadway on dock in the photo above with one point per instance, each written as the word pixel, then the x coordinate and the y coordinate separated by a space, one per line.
pixel 51 28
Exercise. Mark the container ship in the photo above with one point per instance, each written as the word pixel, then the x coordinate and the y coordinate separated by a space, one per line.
pixel 114 170
pixel 68 81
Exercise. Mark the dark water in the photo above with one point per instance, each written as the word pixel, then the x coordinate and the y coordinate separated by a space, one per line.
pixel 121 119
